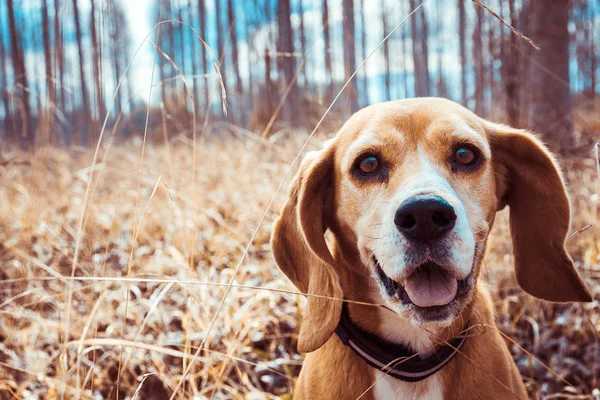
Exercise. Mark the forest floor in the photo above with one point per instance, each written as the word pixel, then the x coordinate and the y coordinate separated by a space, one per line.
pixel 73 335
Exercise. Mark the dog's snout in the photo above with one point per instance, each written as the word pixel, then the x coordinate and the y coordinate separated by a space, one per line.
pixel 425 218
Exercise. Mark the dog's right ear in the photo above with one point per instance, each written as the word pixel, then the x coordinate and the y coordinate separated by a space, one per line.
pixel 301 252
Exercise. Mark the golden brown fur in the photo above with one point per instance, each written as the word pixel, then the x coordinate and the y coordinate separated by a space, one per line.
pixel 518 171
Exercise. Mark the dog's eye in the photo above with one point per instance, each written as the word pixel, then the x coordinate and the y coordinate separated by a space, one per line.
pixel 465 156
pixel 368 164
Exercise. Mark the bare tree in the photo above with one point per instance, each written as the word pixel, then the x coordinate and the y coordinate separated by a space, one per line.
pixel 491 58
pixel 327 40
pixel 194 49
pixel 182 31
pixel 549 111
pixel 250 62
pixel 97 65
pixel 440 82
pixel 594 56
pixel 286 58
pixel 202 12
pixel 419 49
pixel 363 39
pixel 4 90
pixel 349 54
pixel 220 44
pixel 268 104
pixel 479 63
pixel 115 36
pixel 59 55
pixel 48 53
pixel 170 51
pixel 303 41
pixel 22 88
pixel 510 68
pixel 406 57
pixel 234 47
pixel 424 42
pixel 462 22
pixel 83 134
pixel 386 53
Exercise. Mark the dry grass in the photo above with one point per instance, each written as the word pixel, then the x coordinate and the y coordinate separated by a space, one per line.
pixel 250 352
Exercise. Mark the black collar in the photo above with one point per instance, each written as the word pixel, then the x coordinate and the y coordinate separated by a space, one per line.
pixel 391 358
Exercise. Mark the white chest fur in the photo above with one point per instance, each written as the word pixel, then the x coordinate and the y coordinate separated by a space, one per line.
pixel 388 388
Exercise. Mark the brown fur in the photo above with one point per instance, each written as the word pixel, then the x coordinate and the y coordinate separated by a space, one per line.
pixel 518 172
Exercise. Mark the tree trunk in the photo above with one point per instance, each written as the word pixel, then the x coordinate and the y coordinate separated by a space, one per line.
pixel 171 51
pixel 268 81
pixel 424 41
pixel 363 46
pixel 159 59
pixel 287 61
pixel 97 71
pixel 490 68
pixel 82 81
pixel 349 54
pixel 462 23
pixel 234 48
pixel 549 111
pixel 220 44
pixel 594 54
pixel 405 55
pixel 47 55
pixel 594 57
pixel 59 57
pixel 202 9
pixel 303 42
pixel 195 81
pixel 419 47
pixel 479 64
pixel 116 59
pixel 251 61
pixel 4 94
pixel 440 82
pixel 327 40
pixel 50 88
pixel 511 78
pixel 27 138
pixel 386 53
pixel 182 31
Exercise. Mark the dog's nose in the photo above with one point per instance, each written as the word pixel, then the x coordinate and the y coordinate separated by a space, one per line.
pixel 425 218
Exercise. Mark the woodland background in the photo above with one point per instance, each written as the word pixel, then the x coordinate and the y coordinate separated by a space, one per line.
pixel 62 60
pixel 145 148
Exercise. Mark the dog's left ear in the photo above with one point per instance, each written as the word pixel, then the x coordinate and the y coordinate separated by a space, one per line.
pixel 301 252
pixel 529 181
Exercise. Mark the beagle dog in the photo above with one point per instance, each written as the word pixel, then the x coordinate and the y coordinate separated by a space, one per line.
pixel 409 190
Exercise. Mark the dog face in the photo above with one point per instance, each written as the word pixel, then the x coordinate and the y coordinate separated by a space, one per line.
pixel 412 187
pixel 416 189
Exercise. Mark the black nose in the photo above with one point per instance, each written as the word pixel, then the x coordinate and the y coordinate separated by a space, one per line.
pixel 425 218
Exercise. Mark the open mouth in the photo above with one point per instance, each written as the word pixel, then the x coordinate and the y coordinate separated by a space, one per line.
pixel 429 288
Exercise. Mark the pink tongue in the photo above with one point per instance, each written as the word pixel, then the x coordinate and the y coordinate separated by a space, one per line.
pixel 430 287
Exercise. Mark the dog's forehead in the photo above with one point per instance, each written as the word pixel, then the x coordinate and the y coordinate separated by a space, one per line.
pixel 410 122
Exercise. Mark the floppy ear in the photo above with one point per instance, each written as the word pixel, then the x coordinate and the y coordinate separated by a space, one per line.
pixel 529 181
pixel 300 250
